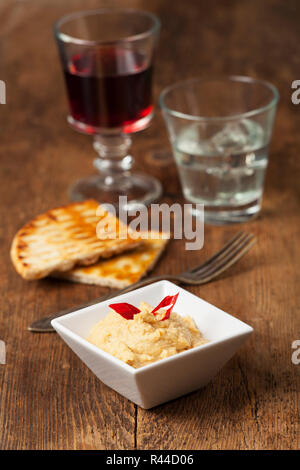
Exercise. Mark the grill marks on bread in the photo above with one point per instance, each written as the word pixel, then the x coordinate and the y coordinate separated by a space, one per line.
pixel 66 236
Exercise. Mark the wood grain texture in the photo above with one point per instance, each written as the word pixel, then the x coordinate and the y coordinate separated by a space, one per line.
pixel 48 398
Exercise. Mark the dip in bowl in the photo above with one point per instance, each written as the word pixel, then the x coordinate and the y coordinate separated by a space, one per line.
pixel 146 337
pixel 167 378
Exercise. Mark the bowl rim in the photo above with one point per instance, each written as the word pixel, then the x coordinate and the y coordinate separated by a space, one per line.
pixel 137 371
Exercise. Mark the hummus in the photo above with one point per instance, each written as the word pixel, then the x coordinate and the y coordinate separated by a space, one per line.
pixel 146 338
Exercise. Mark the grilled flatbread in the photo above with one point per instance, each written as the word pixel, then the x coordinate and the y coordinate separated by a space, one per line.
pixel 122 270
pixel 78 233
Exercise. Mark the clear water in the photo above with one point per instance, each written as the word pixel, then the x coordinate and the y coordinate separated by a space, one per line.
pixel 225 170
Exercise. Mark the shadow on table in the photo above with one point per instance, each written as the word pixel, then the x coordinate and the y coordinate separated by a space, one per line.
pixel 234 394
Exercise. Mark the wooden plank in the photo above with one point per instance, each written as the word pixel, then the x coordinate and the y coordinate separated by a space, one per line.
pixel 48 399
pixel 254 401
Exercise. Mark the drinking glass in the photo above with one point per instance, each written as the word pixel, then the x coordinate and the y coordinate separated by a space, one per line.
pixel 220 130
pixel 107 59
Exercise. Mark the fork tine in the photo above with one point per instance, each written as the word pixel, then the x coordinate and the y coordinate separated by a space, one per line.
pixel 226 254
pixel 230 258
pixel 217 272
pixel 219 253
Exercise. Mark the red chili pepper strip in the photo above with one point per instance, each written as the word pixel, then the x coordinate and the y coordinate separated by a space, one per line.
pixel 125 310
pixel 168 300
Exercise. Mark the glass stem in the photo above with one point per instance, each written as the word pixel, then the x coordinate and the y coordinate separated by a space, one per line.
pixel 113 160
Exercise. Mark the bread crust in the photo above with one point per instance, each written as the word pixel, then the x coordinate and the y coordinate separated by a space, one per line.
pixel 122 270
pixel 67 236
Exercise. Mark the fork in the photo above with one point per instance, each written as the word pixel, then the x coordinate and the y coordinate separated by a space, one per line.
pixel 201 274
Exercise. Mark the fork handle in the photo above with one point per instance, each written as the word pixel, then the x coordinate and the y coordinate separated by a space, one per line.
pixel 43 325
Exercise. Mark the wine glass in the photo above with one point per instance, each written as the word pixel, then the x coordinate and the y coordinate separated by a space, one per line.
pixel 107 59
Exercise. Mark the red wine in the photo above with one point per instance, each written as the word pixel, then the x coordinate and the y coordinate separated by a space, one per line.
pixel 109 90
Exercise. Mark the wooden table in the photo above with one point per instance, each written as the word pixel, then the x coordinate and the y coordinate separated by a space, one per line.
pixel 48 398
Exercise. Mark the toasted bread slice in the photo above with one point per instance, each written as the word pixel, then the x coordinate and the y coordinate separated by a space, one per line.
pixel 122 270
pixel 78 233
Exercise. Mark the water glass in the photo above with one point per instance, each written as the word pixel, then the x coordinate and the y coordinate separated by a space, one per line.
pixel 220 131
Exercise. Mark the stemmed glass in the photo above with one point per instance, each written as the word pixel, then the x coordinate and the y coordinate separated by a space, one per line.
pixel 107 59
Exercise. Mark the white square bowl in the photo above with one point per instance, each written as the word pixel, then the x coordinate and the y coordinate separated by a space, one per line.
pixel 168 378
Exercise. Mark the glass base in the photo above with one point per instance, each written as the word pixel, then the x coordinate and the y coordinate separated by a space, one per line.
pixel 229 215
pixel 139 189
